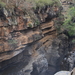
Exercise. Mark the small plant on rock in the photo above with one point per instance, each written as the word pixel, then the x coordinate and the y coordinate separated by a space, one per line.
pixel 37 22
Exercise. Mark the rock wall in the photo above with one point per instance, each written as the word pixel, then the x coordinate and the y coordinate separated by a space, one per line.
pixel 24 39
pixel 28 42
pixel 19 28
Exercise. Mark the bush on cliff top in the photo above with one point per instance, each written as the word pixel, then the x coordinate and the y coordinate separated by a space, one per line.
pixel 32 3
pixel 69 23
pixel 41 3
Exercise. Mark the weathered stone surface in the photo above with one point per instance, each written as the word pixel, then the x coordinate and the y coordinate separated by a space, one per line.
pixel 73 71
pixel 63 73
pixel 14 40
pixel 24 42
pixel 46 25
pixel 55 54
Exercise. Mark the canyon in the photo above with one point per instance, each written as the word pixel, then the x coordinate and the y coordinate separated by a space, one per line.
pixel 30 43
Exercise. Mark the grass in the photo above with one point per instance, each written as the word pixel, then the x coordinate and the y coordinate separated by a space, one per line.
pixel 32 3
pixel 42 3
pixel 2 4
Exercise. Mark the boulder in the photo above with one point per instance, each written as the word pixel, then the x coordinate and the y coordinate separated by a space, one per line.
pixel 63 73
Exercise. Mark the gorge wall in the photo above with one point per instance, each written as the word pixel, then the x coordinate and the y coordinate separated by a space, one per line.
pixel 29 44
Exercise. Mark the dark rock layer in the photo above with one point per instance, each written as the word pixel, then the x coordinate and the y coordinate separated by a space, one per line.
pixel 28 45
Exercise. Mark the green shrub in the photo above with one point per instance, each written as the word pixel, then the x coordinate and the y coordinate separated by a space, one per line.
pixel 73 41
pixel 2 4
pixel 41 3
pixel 30 25
pixel 69 24
pixel 37 22
pixel 58 23
pixel 12 41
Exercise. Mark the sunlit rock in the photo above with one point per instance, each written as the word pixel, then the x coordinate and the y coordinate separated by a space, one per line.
pixel 63 73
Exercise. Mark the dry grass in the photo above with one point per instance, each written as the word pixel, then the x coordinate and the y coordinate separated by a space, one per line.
pixel 28 3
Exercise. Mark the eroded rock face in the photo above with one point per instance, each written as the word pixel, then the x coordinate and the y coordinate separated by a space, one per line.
pixel 28 47
pixel 38 58
pixel 70 60
pixel 56 53
pixel 23 43
pixel 32 56
pixel 18 28
pixel 47 13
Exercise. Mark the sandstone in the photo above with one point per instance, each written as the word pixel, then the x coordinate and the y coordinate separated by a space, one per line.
pixel 49 30
pixel 6 46
pixel 47 25
pixel 1 23
pixel 24 42
pixel 1 46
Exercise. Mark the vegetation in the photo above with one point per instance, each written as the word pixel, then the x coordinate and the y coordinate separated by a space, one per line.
pixel 12 41
pixel 30 3
pixel 37 22
pixel 30 25
pixel 69 23
pixel 45 2
pixel 73 41
pixel 59 22
pixel 2 4
pixel 41 3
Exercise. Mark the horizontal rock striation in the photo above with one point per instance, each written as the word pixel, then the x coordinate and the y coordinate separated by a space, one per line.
pixel 23 39
pixel 18 29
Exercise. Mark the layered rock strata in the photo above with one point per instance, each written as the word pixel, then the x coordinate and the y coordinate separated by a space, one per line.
pixel 24 40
